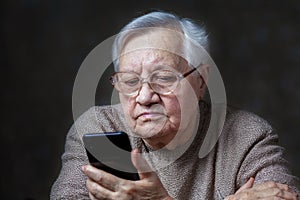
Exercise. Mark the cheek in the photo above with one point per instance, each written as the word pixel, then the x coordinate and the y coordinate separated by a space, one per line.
pixel 187 101
pixel 128 107
pixel 173 109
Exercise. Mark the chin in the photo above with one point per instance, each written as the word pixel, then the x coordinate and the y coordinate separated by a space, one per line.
pixel 154 131
pixel 150 130
pixel 148 133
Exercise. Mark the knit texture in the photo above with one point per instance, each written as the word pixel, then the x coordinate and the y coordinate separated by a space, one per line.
pixel 247 147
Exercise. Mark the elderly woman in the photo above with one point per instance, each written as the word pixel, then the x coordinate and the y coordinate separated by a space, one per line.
pixel 161 79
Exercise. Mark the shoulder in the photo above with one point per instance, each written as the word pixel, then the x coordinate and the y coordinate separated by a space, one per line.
pixel 244 131
pixel 245 125
pixel 248 147
pixel 100 118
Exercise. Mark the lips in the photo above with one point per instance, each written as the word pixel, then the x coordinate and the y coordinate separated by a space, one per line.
pixel 150 115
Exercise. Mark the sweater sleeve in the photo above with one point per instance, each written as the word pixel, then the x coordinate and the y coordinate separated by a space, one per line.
pixel 265 161
pixel 71 181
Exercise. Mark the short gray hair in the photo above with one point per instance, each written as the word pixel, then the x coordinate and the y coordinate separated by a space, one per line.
pixel 160 19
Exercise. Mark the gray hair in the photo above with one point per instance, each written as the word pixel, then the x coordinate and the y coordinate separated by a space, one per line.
pixel 158 19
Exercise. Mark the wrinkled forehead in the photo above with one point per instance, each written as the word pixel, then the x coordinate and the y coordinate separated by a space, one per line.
pixel 162 39
pixel 150 59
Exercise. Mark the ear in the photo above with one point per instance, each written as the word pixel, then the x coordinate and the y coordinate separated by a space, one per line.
pixel 203 78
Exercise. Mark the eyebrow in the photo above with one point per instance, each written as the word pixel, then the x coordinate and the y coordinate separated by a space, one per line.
pixel 162 67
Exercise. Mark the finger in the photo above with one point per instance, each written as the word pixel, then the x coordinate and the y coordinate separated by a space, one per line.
pixel 287 195
pixel 285 187
pixel 250 195
pixel 276 192
pixel 247 185
pixel 272 184
pixel 101 177
pixel 92 196
pixel 141 165
pixel 270 193
pixel 96 191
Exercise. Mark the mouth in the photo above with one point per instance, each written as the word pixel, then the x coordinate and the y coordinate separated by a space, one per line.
pixel 150 116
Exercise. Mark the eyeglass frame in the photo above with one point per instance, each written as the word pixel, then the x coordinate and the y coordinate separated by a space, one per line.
pixel 145 80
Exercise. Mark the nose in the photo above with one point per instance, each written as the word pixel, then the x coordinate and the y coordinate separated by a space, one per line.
pixel 146 95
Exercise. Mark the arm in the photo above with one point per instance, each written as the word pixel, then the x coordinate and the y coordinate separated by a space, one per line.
pixel 265 161
pixel 71 181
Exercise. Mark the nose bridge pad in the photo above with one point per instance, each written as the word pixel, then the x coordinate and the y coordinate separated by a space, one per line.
pixel 145 81
pixel 147 84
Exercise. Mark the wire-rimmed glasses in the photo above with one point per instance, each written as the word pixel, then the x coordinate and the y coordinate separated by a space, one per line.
pixel 160 81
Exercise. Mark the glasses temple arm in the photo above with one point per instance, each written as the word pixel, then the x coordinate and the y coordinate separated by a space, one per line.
pixel 191 71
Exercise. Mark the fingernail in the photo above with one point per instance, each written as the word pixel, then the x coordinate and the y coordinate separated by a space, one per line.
pixel 83 168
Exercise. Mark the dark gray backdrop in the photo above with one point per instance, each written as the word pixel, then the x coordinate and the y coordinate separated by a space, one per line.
pixel 256 45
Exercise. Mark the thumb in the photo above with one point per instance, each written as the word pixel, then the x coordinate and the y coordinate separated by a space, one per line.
pixel 141 165
pixel 247 185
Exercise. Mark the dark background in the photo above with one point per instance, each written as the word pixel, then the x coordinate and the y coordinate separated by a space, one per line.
pixel 255 44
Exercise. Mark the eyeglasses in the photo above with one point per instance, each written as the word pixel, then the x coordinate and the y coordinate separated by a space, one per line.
pixel 160 81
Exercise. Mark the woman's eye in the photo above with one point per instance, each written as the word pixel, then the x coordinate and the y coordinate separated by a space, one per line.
pixel 132 82
pixel 166 78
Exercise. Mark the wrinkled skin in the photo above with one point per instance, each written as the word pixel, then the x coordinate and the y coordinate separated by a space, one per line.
pixel 102 185
pixel 267 190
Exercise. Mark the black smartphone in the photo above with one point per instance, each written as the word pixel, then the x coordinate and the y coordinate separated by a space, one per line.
pixel 110 152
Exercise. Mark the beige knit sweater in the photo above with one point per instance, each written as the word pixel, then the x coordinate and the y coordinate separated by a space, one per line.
pixel 247 147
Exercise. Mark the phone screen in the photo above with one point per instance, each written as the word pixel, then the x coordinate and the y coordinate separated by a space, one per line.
pixel 110 151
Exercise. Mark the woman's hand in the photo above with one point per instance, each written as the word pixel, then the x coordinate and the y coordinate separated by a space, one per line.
pixel 103 185
pixel 266 190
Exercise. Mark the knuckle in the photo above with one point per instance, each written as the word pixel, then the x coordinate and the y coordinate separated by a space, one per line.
pixel 93 188
pixel 116 195
pixel 271 184
pixel 286 187
pixel 88 183
pixel 98 178
pixel 128 191
pixel 129 188
pixel 121 196
pixel 277 192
